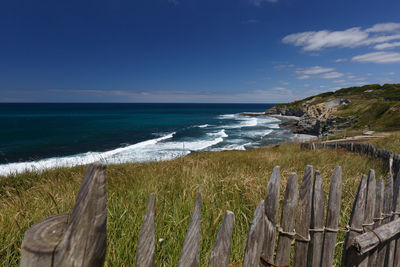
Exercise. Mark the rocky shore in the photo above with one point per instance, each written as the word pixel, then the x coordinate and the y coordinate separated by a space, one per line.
pixel 315 119
pixel 311 118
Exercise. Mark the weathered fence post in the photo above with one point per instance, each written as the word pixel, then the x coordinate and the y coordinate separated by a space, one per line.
pixel 287 221
pixel 396 214
pixel 76 240
pixel 190 254
pixel 380 187
pixel 387 213
pixel 146 247
pixel 356 221
pixel 332 218
pixel 317 222
pixel 362 244
pixel 222 246
pixel 302 238
pixel 255 239
pixel 369 210
pixel 271 214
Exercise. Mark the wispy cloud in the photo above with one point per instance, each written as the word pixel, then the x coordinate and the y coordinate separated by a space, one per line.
pixel 331 75
pixel 341 60
pixel 378 57
pixel 259 2
pixel 387 45
pixel 314 70
pixel 269 95
pixel 353 37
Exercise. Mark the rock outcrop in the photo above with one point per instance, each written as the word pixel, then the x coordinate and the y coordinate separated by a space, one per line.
pixel 316 119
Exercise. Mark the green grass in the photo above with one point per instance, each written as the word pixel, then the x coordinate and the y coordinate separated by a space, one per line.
pixel 391 142
pixel 230 180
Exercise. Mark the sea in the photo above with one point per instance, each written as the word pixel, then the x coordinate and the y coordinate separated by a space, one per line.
pixel 38 136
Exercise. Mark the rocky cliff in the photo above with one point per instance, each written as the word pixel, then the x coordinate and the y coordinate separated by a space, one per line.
pixel 314 118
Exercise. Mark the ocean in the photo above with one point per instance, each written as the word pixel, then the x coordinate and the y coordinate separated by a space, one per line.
pixel 41 136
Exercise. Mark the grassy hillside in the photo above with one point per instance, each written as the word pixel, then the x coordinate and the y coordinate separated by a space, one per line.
pixel 375 106
pixel 234 180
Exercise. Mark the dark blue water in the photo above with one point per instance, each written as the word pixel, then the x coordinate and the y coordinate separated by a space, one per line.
pixel 128 132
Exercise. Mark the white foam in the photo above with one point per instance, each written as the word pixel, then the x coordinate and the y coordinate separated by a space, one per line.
pixel 274 126
pixel 203 126
pixel 150 150
pixel 258 133
pixel 79 159
pixel 221 133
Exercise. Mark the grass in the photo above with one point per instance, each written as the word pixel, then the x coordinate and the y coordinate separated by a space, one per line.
pixel 391 142
pixel 229 180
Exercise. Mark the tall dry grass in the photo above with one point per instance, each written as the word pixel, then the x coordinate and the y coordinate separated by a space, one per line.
pixel 229 180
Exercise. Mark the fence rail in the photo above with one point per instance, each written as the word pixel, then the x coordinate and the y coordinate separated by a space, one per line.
pixel 372 234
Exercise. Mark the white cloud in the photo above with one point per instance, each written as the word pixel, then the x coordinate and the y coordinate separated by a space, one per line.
pixel 378 57
pixel 353 37
pixel 314 70
pixel 341 60
pixel 259 2
pixel 384 27
pixel 303 77
pixel 269 95
pixel 387 45
pixel 331 75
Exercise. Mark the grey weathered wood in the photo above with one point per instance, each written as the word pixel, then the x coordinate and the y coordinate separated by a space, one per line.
pixel 369 210
pixel 255 238
pixel 78 240
pixel 356 221
pixel 387 209
pixel 287 221
pixel 317 222
pixel 40 241
pixel 380 187
pixel 332 217
pixel 190 254
pixel 145 252
pixel 303 220
pixel 222 246
pixel 271 212
pixel 362 244
pixel 396 209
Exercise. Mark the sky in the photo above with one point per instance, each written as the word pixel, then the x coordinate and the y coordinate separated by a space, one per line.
pixel 196 51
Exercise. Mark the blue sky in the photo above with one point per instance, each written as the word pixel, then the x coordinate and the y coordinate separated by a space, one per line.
pixel 251 51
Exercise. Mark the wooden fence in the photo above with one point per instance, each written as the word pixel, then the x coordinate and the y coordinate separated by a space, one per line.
pixel 391 159
pixel 372 234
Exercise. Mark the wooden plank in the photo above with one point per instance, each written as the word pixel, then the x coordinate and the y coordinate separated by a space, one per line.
pixel 369 210
pixel 356 221
pixel 332 217
pixel 78 239
pixel 84 242
pixel 303 220
pixel 222 246
pixel 380 187
pixel 41 240
pixel 396 209
pixel 190 254
pixel 387 209
pixel 317 222
pixel 287 221
pixel 271 214
pixel 362 244
pixel 145 252
pixel 255 239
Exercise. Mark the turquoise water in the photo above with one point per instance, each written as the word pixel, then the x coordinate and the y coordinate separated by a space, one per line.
pixel 42 136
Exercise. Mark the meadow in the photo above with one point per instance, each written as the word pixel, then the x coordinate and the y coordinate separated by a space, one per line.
pixel 229 180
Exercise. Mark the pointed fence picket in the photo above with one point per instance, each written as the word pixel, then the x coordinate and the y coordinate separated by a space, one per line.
pixel 372 234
